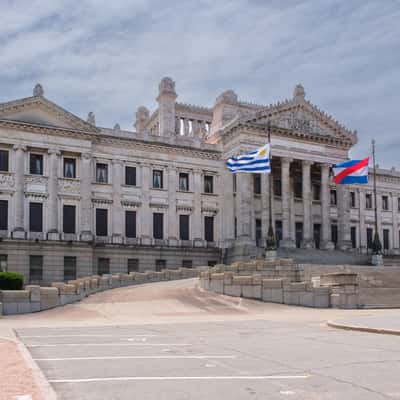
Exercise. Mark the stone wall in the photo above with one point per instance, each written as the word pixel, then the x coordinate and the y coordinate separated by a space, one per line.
pixel 36 298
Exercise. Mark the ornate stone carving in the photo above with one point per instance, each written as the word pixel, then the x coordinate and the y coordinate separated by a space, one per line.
pixel 167 85
pixel 36 184
pixel 7 181
pixel 142 118
pixel 117 127
pixel 69 186
pixel 229 97
pixel 91 119
pixel 38 90
pixel 299 92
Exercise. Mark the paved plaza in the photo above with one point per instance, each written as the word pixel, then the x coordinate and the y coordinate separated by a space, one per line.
pixel 171 340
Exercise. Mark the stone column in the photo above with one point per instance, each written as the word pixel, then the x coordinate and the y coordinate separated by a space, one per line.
pixel 343 207
pixel 307 241
pixel 228 210
pixel 19 224
pixel 117 209
pixel 264 204
pixel 53 232
pixel 166 107
pixel 244 197
pixel 363 231
pixel 287 239
pixel 395 229
pixel 146 216
pixel 173 220
pixel 86 198
pixel 196 222
pixel 326 242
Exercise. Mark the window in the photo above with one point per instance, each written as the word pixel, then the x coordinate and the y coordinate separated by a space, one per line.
pixel 158 225
pixel 103 266
pixel 278 231
pixel 369 238
pixel 101 173
pixel 130 176
pixel 69 268
pixel 69 219
pixel 133 265
pixel 160 265
pixel 101 222
pixel 334 234
pixel 158 179
pixel 36 164
pixel 130 224
pixel 235 228
pixel 257 184
pixel 3 263
pixel 184 227
pixel 368 200
pixel 69 168
pixel 4 160
pixel 187 263
pixel 208 184
pixel 398 204
pixel 183 182
pixel 386 241
pixel 35 217
pixel 209 229
pixel 353 236
pixel 385 203
pixel 258 230
pixel 211 263
pixel 299 233
pixel 352 199
pixel 316 192
pixel 298 189
pixel 277 187
pixel 3 215
pixel 235 185
pixel 333 197
pixel 35 268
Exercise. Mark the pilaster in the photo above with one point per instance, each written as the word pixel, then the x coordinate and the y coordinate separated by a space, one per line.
pixel 287 239
pixel 53 232
pixel 307 241
pixel 197 223
pixel 86 198
pixel 173 221
pixel 326 242
pixel 343 206
pixel 19 230
pixel 117 210
pixel 146 218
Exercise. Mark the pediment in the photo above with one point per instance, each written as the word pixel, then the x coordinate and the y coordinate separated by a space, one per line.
pixel 38 110
pixel 303 117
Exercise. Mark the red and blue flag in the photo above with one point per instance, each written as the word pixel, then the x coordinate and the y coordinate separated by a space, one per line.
pixel 351 172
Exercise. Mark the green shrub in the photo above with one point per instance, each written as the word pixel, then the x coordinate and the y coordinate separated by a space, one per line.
pixel 11 281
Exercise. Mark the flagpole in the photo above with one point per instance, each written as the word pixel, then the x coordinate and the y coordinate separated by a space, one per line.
pixel 376 244
pixel 270 249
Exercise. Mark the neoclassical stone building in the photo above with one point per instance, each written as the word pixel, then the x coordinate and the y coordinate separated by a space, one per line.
pixel 77 199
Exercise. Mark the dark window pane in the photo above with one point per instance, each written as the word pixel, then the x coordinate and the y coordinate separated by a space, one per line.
pixel 3 215
pixel 35 268
pixel 157 179
pixel 130 176
pixel 183 182
pixel 69 219
pixel 277 187
pixel 36 164
pixel 130 224
pixel 333 198
pixel 187 263
pixel 208 184
pixel 369 237
pixel 101 173
pixel 69 268
pixel 3 160
pixel 160 265
pixel 352 199
pixel 257 184
pixel 101 222
pixel 209 229
pixel 103 266
pixel 69 168
pixel 298 189
pixel 316 192
pixel 133 265
pixel 158 226
pixel 334 234
pixel 36 217
pixel 353 236
pixel 386 243
pixel 184 227
pixel 368 200
pixel 385 203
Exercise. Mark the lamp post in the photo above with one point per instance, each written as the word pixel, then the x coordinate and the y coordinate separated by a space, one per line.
pixel 270 250
pixel 377 258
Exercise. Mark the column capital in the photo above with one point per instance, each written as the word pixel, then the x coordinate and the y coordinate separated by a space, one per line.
pixel 20 146
pixel 325 166
pixel 117 162
pixel 87 155
pixel 307 163
pixel 286 160
pixel 57 152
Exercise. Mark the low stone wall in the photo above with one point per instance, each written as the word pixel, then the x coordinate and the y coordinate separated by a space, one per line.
pixel 277 282
pixel 36 298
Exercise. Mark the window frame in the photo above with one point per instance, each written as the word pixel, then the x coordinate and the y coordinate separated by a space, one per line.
pixel 130 167
pixel 184 217
pixel 68 218
pixel 98 212
pixel 4 221
pixel 128 232
pixel 98 163
pixel 74 269
pixel 186 176
pixel 7 160
pixel 74 160
pixel 41 158
pixel 209 178
pixel 209 233
pixel 156 171
pixel 33 223
pixel 157 215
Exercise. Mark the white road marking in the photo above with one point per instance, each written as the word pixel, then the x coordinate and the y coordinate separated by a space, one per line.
pixel 109 344
pixel 287 392
pixel 195 357
pixel 63 336
pixel 24 397
pixel 179 378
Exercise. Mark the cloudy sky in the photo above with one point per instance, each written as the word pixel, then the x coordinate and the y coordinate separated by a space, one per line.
pixel 109 56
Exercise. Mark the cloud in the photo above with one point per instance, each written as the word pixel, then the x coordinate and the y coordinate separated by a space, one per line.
pixel 108 56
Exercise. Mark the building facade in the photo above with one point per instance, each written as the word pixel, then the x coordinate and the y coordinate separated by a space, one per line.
pixel 77 199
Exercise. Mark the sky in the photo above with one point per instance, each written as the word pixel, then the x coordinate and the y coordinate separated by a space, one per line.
pixel 109 57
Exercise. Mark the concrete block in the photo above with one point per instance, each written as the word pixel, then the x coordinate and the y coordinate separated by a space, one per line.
pixel 272 295
pixel 322 297
pixel 233 290
pixel 24 307
pixel 338 279
pixel 67 299
pixel 228 276
pixel 242 280
pixel 49 297
pixel 251 291
pixel 10 308
pixel 272 283
pixel 217 285
pixel 35 306
pixel 1 309
pixel 306 299
pixel 34 292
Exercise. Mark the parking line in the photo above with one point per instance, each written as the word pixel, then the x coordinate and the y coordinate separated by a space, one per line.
pixel 63 336
pixel 110 344
pixel 195 357
pixel 180 378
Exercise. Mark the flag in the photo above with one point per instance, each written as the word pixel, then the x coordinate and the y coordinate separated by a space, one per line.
pixel 256 161
pixel 351 172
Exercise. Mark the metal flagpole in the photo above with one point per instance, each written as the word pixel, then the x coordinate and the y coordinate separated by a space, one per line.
pixel 376 244
pixel 271 241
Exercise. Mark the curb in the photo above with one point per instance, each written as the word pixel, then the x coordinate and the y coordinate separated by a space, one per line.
pixel 380 331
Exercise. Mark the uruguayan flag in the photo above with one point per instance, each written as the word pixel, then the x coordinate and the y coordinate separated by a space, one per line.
pixel 256 161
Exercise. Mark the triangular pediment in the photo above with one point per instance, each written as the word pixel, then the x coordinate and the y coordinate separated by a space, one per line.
pixel 38 110
pixel 304 118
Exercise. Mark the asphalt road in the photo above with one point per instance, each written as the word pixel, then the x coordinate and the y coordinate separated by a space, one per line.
pixel 252 359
